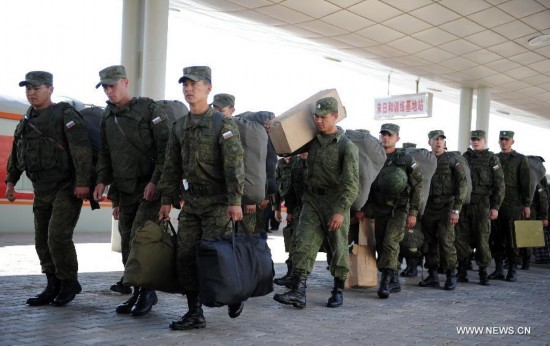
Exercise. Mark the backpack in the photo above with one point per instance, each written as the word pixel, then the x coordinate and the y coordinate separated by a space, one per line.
pixel 428 163
pixel 538 171
pixel 371 160
pixel 173 109
pixel 466 167
pixel 92 118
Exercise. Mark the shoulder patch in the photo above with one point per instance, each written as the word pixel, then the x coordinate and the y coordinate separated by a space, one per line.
pixel 414 165
pixel 70 124
pixel 496 167
pixel 457 165
pixel 227 135
pixel 157 120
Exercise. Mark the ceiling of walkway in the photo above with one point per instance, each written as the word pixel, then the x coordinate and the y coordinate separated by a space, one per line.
pixel 449 43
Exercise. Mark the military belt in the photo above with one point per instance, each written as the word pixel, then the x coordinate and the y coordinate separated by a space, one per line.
pixel 206 190
pixel 440 199
pixel 318 191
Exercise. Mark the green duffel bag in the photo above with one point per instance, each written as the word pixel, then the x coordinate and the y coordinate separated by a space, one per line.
pixel 152 259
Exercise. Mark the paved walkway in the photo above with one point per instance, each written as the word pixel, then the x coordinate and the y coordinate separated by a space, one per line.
pixel 415 316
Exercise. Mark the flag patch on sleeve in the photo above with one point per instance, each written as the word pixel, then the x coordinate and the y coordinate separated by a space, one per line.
pixel 495 167
pixel 70 124
pixel 227 135
pixel 414 165
pixel 157 120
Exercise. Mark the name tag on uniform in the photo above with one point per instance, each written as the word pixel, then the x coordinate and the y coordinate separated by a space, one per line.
pixel 70 124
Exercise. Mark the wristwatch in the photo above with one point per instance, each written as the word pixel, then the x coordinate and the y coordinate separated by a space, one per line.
pixel 457 212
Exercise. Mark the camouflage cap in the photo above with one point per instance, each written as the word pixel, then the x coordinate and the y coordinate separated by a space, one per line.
pixel 478 134
pixel 392 129
pixel 196 73
pixel 409 145
pixel 223 100
pixel 36 78
pixel 110 75
pixel 436 134
pixel 325 106
pixel 506 134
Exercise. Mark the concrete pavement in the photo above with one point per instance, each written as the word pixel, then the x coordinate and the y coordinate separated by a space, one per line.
pixel 415 316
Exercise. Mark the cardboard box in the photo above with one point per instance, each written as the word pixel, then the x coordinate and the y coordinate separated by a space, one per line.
pixel 528 233
pixel 295 127
pixel 363 272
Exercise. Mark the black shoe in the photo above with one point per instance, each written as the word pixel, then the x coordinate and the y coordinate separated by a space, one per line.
pixel 126 307
pixel 193 319
pixel 383 288
pixel 498 274
pixel 296 296
pixel 337 297
pixel 512 276
pixel 483 279
pixel 49 293
pixel 121 288
pixel 451 282
pixel 432 280
pixel 284 281
pixel 145 301
pixel 234 311
pixel 69 290
pixel 525 266
pixel 394 285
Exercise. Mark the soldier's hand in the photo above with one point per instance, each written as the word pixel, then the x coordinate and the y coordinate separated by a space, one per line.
pixel 150 193
pixel 235 212
pixel 278 215
pixel 10 192
pixel 164 212
pixel 526 213
pixel 116 213
pixel 250 209
pixel 264 204
pixel 360 215
pixel 545 223
pixel 335 222
pixel 289 217
pixel 411 221
pixel 82 192
pixel 453 218
pixel 493 214
pixel 98 192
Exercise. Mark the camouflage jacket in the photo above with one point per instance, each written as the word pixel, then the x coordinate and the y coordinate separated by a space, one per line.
pixel 487 177
pixel 517 179
pixel 298 183
pixel 338 176
pixel 133 143
pixel 204 158
pixel 449 182
pixel 51 146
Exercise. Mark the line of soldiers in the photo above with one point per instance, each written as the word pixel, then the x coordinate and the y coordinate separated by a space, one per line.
pixel 144 158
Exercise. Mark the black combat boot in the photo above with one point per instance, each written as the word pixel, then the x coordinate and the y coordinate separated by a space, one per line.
pixel 337 298
pixel 413 267
pixel 483 279
pixel 525 259
pixel 383 287
pixel 126 307
pixel 432 280
pixel 394 285
pixel 450 283
pixel 296 296
pixel 235 310
pixel 69 290
pixel 498 274
pixel 462 275
pixel 407 268
pixel 121 287
pixel 285 280
pixel 194 318
pixel 512 276
pixel 48 294
pixel 145 301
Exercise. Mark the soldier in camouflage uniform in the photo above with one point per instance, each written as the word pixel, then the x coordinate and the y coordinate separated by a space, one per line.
pixel 393 203
pixel 134 133
pixel 486 198
pixel 51 145
pixel 539 211
pixel 332 185
pixel 448 190
pixel 292 192
pixel 515 206
pixel 204 148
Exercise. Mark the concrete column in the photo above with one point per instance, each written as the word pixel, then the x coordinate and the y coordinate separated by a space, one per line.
pixel 465 119
pixel 131 50
pixel 483 108
pixel 155 39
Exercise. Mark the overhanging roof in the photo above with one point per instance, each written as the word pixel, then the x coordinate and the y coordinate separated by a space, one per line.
pixel 448 44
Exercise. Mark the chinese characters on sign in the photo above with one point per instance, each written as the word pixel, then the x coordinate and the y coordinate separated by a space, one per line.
pixel 403 106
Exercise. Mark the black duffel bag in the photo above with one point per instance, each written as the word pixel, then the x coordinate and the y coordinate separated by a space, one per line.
pixel 234 269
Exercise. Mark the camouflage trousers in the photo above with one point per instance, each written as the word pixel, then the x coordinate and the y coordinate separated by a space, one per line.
pixel 502 234
pixel 440 237
pixel 249 221
pixel 290 230
pixel 200 218
pixel 389 232
pixel 134 211
pixel 310 233
pixel 473 229
pixel 55 216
